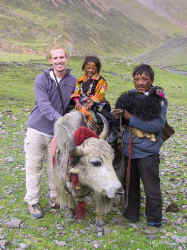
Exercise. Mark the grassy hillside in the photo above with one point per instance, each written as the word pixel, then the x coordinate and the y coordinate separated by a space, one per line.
pixel 104 27
pixel 172 52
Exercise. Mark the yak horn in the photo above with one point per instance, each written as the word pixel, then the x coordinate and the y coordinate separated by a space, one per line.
pixel 105 131
pixel 77 151
pixel 74 171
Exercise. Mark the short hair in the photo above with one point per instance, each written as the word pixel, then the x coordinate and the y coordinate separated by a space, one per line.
pixel 143 68
pixel 93 59
pixel 54 47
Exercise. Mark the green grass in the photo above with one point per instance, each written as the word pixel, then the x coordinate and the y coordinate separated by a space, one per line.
pixel 16 102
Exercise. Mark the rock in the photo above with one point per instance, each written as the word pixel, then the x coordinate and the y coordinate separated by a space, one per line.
pixel 13 223
pixel 151 230
pixel 173 207
pixel 107 230
pixel 9 159
pixel 2 237
pixel 179 239
pixel 60 243
pixel 23 246
pixel 3 244
pixel 151 236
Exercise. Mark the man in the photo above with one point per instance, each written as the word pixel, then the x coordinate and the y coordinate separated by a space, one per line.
pixel 144 113
pixel 53 89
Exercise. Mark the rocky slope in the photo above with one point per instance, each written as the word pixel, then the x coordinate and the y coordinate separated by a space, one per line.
pixel 118 28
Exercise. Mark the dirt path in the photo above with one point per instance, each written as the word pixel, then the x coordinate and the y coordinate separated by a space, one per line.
pixel 175 70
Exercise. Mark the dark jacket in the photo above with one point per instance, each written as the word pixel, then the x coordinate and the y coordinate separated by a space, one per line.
pixel 48 106
pixel 144 147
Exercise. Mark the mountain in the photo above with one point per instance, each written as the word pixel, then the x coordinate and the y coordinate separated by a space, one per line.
pixel 118 28
pixel 174 11
pixel 172 52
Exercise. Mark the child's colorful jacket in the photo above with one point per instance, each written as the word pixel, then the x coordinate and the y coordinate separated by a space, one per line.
pixel 96 90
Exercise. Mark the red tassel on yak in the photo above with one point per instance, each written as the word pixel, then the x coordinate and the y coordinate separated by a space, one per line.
pixel 80 135
pixel 75 181
pixel 81 210
pixel 53 150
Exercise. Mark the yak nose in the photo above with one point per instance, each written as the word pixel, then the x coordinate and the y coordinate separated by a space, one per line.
pixel 120 191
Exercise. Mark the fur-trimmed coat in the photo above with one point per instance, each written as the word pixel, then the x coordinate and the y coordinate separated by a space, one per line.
pixel 148 115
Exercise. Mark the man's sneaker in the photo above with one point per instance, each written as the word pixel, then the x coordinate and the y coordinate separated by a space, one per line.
pixel 35 211
pixel 53 204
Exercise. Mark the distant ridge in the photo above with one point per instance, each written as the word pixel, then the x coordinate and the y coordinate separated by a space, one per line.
pixel 118 28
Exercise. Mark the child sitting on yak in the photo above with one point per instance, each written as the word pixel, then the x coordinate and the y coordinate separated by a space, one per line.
pixel 89 95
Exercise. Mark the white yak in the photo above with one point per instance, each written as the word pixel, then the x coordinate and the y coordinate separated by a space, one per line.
pixel 91 162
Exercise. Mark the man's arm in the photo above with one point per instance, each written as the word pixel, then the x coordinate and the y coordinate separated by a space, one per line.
pixel 42 99
pixel 152 126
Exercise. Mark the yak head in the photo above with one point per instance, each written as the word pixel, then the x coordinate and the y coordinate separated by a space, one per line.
pixel 93 164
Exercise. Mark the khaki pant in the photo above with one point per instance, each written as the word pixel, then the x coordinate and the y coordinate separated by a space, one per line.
pixel 37 150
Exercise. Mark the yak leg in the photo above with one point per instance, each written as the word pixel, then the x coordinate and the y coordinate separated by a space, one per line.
pixel 120 166
pixel 66 202
pixel 103 206
pixel 64 198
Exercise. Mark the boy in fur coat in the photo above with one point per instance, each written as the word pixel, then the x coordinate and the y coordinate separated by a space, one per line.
pixel 143 111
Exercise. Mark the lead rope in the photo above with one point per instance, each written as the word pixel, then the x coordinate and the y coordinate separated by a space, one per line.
pixel 128 172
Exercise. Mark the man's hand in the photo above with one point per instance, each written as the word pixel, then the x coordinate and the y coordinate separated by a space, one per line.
pixel 117 113
pixel 126 115
pixel 78 105
pixel 89 105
